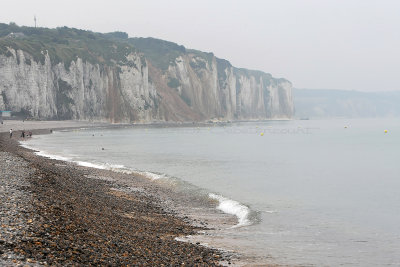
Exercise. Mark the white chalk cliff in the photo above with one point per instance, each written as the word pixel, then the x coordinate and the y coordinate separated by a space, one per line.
pixel 193 88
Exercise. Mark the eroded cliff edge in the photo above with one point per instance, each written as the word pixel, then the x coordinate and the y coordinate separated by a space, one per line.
pixel 75 74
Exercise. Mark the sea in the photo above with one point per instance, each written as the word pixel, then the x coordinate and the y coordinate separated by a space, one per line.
pixel 302 192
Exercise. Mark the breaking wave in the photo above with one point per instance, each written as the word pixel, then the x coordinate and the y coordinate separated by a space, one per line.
pixel 233 207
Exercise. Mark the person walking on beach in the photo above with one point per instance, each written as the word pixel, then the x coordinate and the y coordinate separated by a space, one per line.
pixel 10 133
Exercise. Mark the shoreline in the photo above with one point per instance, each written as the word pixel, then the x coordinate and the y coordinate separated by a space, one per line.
pixel 76 216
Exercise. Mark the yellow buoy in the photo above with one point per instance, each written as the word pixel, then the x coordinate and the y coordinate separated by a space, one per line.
pixel 386 131
pixel 345 127
pixel 262 134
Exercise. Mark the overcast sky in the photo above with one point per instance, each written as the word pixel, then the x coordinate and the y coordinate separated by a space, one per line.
pixel 337 44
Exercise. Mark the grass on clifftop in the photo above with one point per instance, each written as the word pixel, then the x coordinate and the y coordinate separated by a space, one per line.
pixel 66 44
pixel 161 53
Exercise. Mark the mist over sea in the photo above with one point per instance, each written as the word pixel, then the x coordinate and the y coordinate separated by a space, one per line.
pixel 313 192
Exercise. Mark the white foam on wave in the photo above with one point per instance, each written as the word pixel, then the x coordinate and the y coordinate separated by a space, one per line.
pixel 102 166
pixel 51 156
pixel 233 207
pixel 25 145
pixel 153 176
pixel 91 165
pixel 270 211
pixel 44 153
pixel 106 166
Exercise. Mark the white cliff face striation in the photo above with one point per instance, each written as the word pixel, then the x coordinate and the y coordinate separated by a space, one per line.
pixel 84 91
pixel 216 90
pixel 193 88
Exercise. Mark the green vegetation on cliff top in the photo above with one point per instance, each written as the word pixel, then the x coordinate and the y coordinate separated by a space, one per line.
pixel 65 45
pixel 160 53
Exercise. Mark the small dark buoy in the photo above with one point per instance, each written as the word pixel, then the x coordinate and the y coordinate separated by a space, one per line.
pixel 102 148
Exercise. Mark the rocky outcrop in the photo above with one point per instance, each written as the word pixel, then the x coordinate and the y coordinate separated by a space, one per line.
pixel 193 88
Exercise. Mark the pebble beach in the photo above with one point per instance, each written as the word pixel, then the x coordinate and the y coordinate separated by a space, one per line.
pixel 57 213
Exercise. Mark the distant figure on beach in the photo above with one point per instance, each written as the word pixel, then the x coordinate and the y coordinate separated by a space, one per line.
pixel 10 133
pixel 30 134
pixel 23 134
pixel 51 131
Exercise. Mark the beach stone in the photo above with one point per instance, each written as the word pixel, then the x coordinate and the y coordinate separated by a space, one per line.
pixel 53 214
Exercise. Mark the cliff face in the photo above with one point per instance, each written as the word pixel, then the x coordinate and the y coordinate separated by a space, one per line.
pixel 83 91
pixel 191 88
pixel 215 89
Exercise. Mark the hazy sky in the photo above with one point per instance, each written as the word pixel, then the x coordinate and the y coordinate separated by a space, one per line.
pixel 349 44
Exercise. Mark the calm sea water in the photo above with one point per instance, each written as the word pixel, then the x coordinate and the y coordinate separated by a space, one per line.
pixel 324 192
